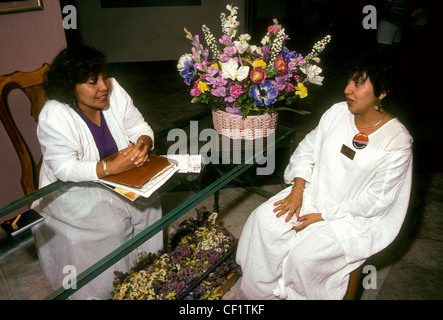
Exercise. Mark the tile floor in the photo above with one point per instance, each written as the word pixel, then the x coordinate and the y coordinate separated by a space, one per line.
pixel 408 270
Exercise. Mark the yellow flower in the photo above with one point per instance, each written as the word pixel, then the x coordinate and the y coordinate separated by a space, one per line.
pixel 171 295
pixel 211 295
pixel 203 86
pixel 215 66
pixel 301 90
pixel 259 63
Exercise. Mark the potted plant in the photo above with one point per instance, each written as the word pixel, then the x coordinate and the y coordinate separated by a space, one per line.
pixel 246 85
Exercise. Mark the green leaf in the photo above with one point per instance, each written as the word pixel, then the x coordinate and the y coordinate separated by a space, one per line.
pixel 302 112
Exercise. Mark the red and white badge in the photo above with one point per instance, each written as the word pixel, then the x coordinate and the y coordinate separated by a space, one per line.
pixel 360 141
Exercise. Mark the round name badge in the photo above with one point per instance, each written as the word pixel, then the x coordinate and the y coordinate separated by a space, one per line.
pixel 360 141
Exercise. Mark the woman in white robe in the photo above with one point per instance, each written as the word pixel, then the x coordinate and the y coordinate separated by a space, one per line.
pixel 86 221
pixel 348 200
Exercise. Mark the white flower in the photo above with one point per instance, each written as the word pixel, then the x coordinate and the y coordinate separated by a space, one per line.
pixel 182 60
pixel 265 40
pixel 254 49
pixel 319 46
pixel 233 10
pixel 212 218
pixel 232 71
pixel 229 24
pixel 312 72
pixel 244 37
pixel 242 44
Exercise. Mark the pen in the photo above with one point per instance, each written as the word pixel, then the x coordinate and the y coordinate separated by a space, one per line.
pixel 14 224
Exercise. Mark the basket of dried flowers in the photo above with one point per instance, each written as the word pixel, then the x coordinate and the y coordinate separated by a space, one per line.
pixel 197 265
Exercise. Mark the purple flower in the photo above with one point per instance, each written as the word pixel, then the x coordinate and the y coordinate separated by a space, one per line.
pixel 280 82
pixel 264 94
pixel 233 110
pixel 225 39
pixel 218 91
pixel 288 55
pixel 230 50
pixel 189 72
pixel 217 81
pixel 292 65
pixel 192 263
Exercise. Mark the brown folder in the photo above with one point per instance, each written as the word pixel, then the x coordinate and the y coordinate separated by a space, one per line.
pixel 137 177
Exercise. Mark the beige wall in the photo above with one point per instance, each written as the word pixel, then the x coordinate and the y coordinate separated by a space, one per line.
pixel 27 40
pixel 149 33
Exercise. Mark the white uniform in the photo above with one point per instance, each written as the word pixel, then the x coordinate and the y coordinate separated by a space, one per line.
pixel 363 202
pixel 85 222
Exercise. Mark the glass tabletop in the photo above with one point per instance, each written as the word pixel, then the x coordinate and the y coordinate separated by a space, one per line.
pixel 224 161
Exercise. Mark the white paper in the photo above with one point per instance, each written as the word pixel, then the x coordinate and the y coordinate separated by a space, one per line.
pixel 148 188
pixel 187 163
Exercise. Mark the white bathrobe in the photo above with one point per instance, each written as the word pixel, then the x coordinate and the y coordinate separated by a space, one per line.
pixel 363 202
pixel 85 222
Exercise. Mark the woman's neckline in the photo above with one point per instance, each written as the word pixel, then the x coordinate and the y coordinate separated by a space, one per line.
pixel 357 130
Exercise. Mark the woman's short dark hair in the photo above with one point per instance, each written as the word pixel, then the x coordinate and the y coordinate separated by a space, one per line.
pixel 70 67
pixel 374 67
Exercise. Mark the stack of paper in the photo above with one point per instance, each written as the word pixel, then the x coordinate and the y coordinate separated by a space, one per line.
pixel 187 163
pixel 133 191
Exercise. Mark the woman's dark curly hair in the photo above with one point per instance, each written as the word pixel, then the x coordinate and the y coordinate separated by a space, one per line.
pixel 72 66
pixel 374 67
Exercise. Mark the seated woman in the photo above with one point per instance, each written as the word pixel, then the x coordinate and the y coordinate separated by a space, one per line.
pixel 89 116
pixel 351 180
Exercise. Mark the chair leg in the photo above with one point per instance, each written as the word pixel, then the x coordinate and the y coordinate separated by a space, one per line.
pixel 354 280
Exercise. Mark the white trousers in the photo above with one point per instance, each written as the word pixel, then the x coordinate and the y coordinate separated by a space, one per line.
pixel 93 222
pixel 278 263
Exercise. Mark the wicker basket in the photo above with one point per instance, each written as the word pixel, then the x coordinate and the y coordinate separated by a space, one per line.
pixel 250 128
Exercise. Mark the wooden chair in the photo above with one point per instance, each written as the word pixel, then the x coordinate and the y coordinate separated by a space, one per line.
pixel 354 281
pixel 31 84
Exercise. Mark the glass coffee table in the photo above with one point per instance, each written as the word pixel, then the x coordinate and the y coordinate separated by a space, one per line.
pixel 239 163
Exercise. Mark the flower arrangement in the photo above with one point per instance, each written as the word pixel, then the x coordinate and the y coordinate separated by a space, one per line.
pixel 194 248
pixel 234 76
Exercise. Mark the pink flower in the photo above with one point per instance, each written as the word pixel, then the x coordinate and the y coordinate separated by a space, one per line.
pixel 224 57
pixel 225 39
pixel 275 28
pixel 229 99
pixel 236 91
pixel 195 92
pixel 258 75
pixel 230 50
pixel 289 87
pixel 301 61
pixel 292 65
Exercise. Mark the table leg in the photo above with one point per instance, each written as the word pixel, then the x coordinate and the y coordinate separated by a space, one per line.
pixel 216 199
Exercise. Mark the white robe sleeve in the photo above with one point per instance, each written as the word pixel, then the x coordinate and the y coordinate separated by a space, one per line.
pixel 302 161
pixel 59 137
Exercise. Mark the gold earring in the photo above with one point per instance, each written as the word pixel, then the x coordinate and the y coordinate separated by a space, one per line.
pixel 378 106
